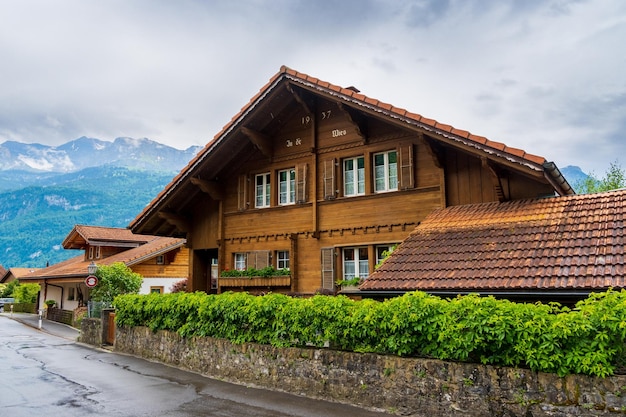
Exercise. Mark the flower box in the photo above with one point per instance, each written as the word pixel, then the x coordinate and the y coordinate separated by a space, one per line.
pixel 277 281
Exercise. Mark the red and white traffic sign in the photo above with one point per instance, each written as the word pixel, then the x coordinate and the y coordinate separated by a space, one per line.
pixel 91 281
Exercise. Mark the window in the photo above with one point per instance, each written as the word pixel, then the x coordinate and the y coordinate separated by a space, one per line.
pixel 97 252
pixel 287 186
pixel 90 252
pixel 160 260
pixel 385 171
pixel 71 294
pixel 382 251
pixel 156 290
pixel 262 190
pixel 240 261
pixel 355 263
pixel 282 259
pixel 354 176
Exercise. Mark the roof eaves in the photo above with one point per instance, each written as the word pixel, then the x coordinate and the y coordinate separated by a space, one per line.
pixel 210 148
pixel 157 252
pixel 484 145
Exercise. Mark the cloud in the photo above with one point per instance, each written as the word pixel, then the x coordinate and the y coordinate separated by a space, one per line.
pixel 544 76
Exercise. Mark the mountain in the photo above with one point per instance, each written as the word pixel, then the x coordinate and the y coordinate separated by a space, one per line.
pixel 35 220
pixel 574 175
pixel 45 191
pixel 89 152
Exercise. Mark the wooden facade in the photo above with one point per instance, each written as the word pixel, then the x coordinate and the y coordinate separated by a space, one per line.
pixel 310 176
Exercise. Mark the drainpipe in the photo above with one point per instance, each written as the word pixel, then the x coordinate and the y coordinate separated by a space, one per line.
pixel 58 286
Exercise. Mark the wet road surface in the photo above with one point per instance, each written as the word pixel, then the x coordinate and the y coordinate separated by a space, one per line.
pixel 42 374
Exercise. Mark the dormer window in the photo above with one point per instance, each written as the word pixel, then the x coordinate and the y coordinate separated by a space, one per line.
pixel 160 260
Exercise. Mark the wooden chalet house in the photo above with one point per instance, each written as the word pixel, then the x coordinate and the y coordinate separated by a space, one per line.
pixel 322 180
pixel 161 261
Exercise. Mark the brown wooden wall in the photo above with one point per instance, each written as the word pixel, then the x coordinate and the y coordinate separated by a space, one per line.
pixel 323 220
pixel 176 265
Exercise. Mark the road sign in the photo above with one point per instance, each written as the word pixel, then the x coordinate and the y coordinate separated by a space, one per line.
pixel 91 281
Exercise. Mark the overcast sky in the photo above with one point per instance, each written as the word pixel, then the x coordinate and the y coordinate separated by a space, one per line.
pixel 547 76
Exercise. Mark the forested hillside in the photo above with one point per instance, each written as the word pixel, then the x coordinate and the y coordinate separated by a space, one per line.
pixel 35 220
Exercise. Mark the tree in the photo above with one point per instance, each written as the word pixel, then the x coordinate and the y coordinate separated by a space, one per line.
pixel 114 280
pixel 26 293
pixel 179 286
pixel 614 178
pixel 8 290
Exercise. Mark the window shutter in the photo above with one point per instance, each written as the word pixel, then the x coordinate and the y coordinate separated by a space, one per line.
pixel 242 193
pixel 301 193
pixel 405 159
pixel 259 259
pixel 328 268
pixel 329 179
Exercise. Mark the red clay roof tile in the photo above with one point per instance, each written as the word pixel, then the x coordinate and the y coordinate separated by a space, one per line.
pixel 560 243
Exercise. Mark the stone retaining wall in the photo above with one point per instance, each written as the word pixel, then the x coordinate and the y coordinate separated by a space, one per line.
pixel 91 331
pixel 402 386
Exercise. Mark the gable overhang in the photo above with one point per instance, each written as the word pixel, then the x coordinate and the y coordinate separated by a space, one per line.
pixel 157 212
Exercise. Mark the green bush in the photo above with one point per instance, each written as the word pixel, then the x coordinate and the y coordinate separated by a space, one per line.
pixel 588 339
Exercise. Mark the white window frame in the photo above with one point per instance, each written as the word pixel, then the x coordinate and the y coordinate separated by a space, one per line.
pixel 385 174
pixel 90 252
pixel 262 190
pixel 240 261
pixel 354 178
pixel 282 259
pixel 360 261
pixel 97 252
pixel 160 260
pixel 287 187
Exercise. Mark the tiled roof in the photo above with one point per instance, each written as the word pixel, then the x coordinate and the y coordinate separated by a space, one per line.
pixel 559 243
pixel 77 267
pixel 351 96
pixel 82 233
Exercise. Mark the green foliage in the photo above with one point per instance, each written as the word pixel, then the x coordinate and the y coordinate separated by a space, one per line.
pixel 113 280
pixel 266 272
pixel 588 339
pixel 23 293
pixel 7 290
pixel 614 178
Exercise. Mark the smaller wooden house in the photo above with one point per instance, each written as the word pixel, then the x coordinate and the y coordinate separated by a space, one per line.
pixel 552 249
pixel 161 261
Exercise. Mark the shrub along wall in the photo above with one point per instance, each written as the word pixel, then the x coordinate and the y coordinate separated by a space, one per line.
pixel 588 339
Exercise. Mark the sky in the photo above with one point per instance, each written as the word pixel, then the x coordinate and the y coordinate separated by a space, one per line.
pixel 545 76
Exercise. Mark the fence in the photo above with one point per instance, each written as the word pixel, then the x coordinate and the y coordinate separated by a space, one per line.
pixel 94 309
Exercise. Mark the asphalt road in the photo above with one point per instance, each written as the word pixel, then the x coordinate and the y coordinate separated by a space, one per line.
pixel 43 374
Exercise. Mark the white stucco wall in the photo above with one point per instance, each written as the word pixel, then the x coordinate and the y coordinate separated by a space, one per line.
pixel 166 283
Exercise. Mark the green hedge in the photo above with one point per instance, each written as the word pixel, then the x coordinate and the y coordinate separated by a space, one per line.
pixel 588 339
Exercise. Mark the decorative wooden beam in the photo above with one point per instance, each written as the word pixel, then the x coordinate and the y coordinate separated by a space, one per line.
pixel 176 220
pixel 212 188
pixel 261 141
pixel 300 100
pixel 359 127
pixel 495 178
pixel 434 153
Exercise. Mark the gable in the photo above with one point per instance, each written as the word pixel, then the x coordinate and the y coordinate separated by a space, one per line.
pixel 292 117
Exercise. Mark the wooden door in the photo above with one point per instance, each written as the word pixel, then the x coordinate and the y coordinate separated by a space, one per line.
pixel 111 329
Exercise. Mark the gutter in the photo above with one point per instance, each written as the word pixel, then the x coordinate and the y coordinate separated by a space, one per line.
pixel 556 179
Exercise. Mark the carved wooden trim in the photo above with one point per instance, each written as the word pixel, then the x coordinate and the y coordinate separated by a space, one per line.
pixel 212 188
pixel 175 220
pixel 260 140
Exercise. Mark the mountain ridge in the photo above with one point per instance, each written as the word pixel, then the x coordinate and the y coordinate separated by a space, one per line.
pixel 87 152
